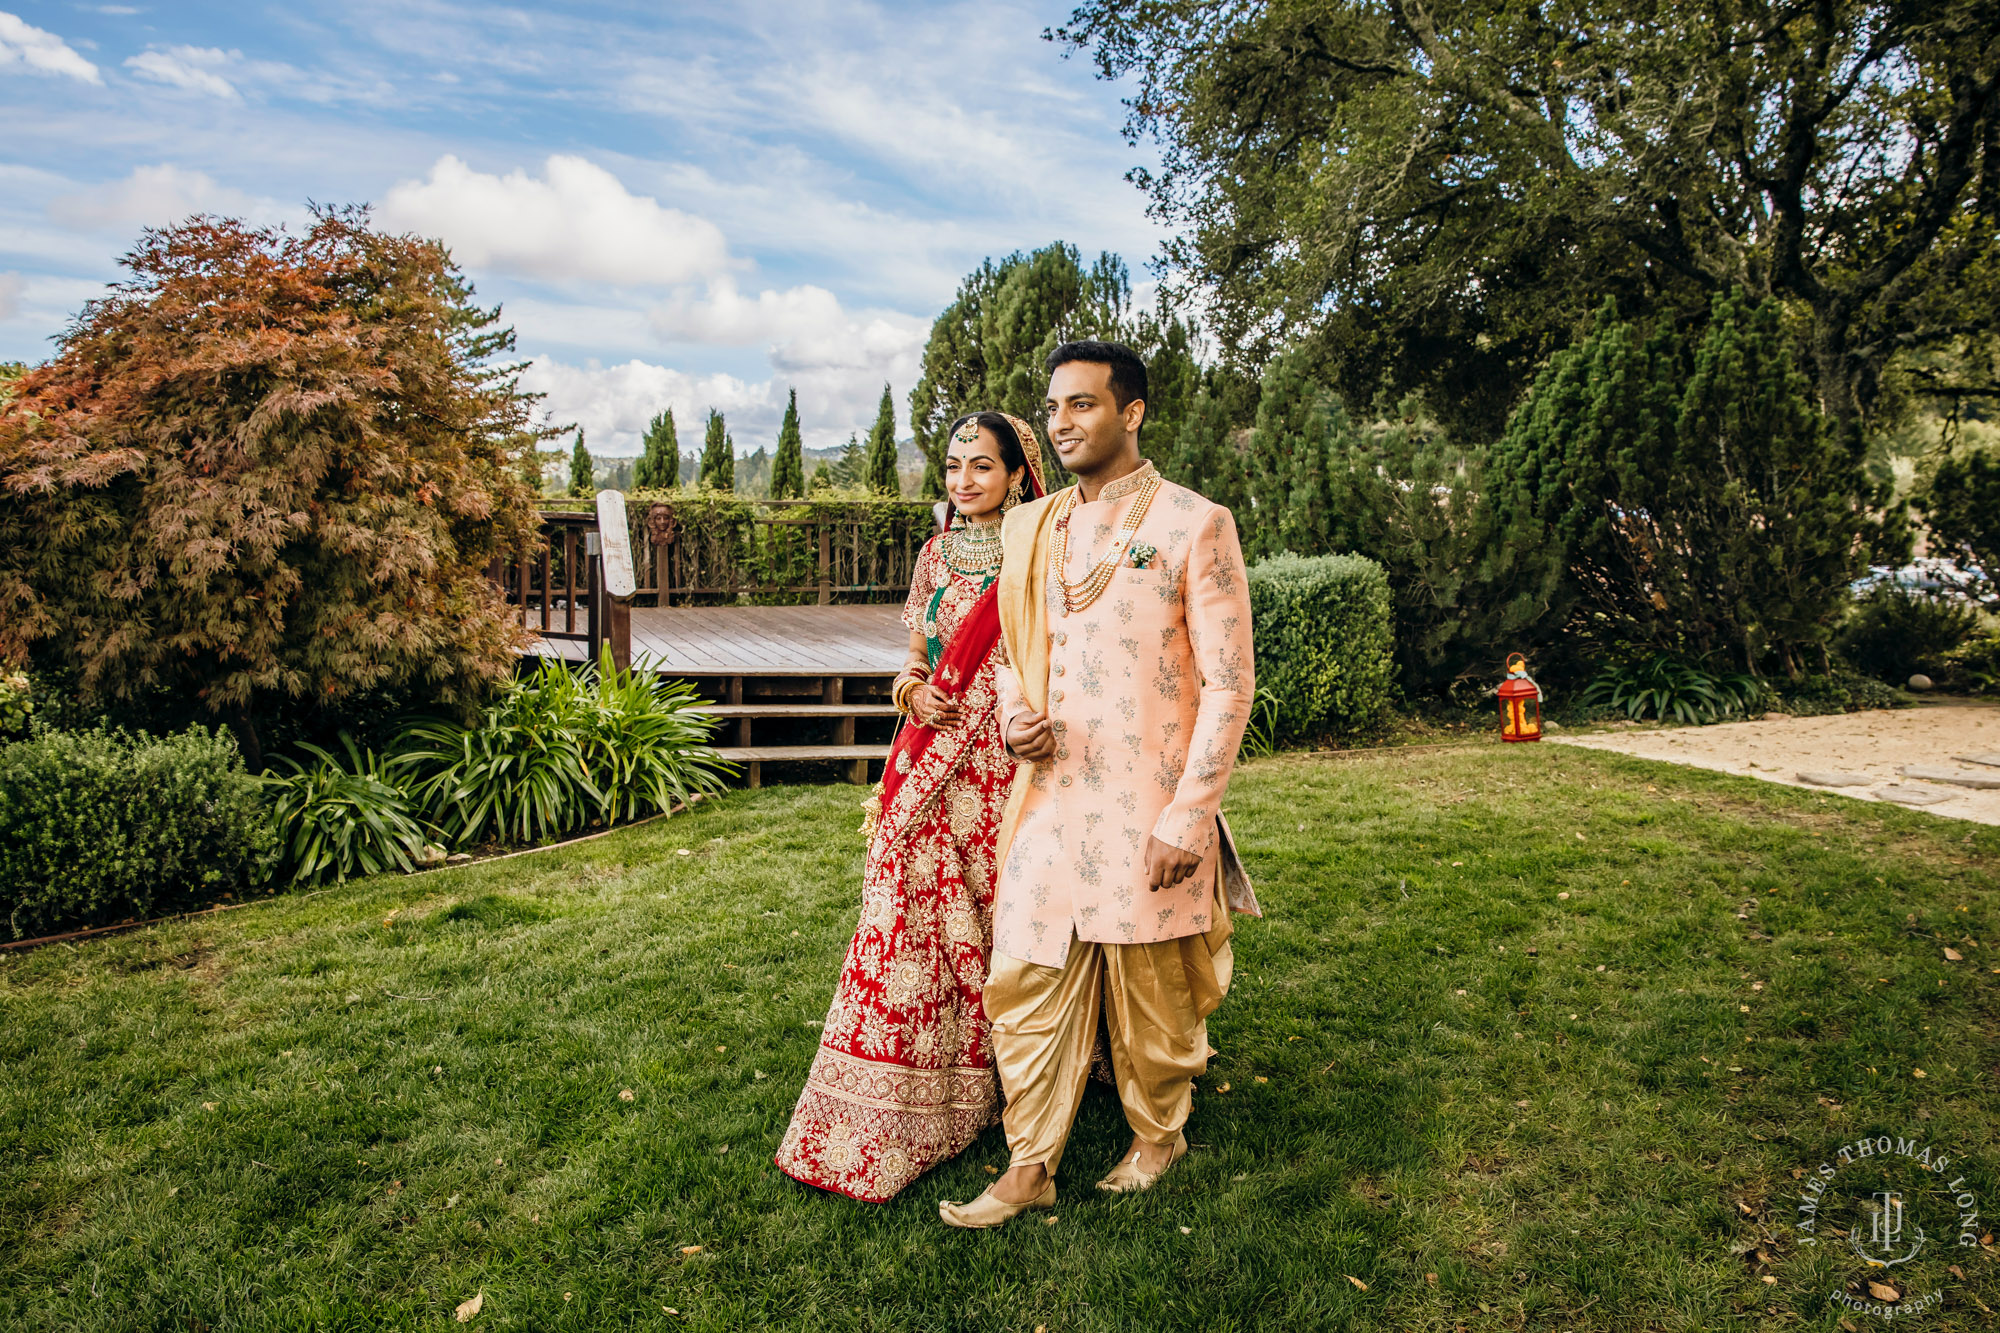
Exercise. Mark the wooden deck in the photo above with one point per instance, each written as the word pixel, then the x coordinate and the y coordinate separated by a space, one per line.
pixel 814 674
pixel 713 641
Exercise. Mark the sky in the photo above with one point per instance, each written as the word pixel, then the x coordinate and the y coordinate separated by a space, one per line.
pixel 691 205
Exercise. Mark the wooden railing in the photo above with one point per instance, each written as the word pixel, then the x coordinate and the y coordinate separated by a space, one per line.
pixel 576 583
pixel 814 556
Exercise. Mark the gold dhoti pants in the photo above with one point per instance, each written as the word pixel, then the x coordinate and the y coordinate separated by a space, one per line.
pixel 1156 1001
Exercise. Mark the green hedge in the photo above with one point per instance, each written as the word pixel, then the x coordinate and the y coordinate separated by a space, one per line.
pixel 1325 638
pixel 99 826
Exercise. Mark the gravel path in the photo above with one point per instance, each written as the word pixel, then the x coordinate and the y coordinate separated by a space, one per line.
pixel 1860 755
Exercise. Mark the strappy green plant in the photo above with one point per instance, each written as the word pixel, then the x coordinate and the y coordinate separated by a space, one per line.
pixel 1674 691
pixel 337 820
pixel 561 750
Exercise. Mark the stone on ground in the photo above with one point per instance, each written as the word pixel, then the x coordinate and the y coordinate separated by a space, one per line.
pixel 1825 778
pixel 1992 760
pixel 1912 795
pixel 1957 777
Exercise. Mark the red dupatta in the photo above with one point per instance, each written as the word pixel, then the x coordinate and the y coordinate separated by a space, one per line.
pixel 921 751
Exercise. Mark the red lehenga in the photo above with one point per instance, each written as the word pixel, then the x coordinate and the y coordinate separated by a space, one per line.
pixel 903 1078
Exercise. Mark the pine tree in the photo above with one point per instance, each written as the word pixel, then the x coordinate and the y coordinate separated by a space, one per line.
pixel 659 465
pixel 581 477
pixel 788 470
pixel 882 479
pixel 1296 423
pixel 850 469
pixel 718 456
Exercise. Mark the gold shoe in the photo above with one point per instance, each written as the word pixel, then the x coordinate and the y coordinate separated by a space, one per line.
pixel 1127 1178
pixel 987 1211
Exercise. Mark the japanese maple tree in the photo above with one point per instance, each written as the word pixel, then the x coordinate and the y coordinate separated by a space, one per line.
pixel 268 463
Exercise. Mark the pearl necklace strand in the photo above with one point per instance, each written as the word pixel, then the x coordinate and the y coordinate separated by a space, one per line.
pixel 1079 596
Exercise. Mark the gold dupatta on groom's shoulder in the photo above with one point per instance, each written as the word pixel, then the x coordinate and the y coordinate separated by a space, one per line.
pixel 1024 627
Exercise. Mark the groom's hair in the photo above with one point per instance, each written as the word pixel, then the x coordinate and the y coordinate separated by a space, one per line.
pixel 1128 372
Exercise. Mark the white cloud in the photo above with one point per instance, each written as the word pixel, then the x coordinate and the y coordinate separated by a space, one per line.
pixel 22 45
pixel 155 196
pixel 576 222
pixel 805 326
pixel 191 67
pixel 613 404
pixel 11 287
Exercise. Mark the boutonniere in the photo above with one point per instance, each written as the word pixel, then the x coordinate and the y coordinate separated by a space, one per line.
pixel 1142 554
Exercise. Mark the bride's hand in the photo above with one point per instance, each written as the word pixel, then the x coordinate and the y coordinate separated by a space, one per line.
pixel 930 706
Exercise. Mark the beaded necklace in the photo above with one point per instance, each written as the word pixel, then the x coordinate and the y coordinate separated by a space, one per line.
pixel 973 550
pixel 1079 596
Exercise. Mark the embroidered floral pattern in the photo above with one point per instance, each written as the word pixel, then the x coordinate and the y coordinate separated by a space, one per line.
pixel 1151 686
pixel 903 1078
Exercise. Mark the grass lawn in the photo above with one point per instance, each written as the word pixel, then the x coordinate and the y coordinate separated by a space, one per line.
pixel 1493 1105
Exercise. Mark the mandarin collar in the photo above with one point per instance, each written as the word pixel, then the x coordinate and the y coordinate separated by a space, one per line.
pixel 1128 484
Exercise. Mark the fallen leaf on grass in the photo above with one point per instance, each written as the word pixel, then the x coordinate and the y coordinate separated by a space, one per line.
pixel 690 1249
pixel 1262 1079
pixel 1770 1281
pixel 210 1106
pixel 1223 1088
pixel 1953 956
pixel 1882 1291
pixel 1187 1231
pixel 394 1187
pixel 1051 1221
pixel 1564 895
pixel 452 1202
pixel 569 1295
pixel 1430 1279
pixel 1956 1272
pixel 626 1095
pixel 1918 1073
pixel 468 1309
pixel 1355 1280
pixel 992 1170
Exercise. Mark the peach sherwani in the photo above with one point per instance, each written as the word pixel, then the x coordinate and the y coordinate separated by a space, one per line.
pixel 1148 691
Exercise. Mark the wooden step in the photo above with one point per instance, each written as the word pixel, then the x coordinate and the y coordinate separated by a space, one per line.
pixel 797 710
pixel 754 757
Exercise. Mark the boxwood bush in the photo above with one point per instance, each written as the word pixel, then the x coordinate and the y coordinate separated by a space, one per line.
pixel 1324 633
pixel 98 826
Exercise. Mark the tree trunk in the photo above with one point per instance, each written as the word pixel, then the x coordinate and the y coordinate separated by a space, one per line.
pixel 237 718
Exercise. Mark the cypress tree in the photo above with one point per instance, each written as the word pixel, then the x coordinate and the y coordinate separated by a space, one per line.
pixel 718 456
pixel 882 479
pixel 1296 423
pixel 580 474
pixel 788 470
pixel 659 465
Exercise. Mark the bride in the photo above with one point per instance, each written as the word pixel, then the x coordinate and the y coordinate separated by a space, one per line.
pixel 903 1078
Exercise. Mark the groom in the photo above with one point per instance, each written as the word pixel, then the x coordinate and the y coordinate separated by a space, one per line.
pixel 1125 684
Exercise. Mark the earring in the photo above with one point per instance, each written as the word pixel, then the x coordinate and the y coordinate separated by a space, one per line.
pixel 1014 496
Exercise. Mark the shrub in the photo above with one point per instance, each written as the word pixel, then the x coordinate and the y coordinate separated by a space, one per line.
pixel 333 820
pixel 1841 692
pixel 1896 631
pixel 1674 691
pixel 17 704
pixel 97 826
pixel 1324 641
pixel 562 749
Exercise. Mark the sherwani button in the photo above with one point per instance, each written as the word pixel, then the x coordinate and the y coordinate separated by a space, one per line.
pixel 1062 752
pixel 1055 696
pixel 1065 778
pixel 1058 668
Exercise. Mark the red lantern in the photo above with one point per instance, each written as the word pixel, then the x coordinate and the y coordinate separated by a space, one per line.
pixel 1520 703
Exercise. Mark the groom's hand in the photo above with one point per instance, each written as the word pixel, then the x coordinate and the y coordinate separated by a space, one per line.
pixel 1167 865
pixel 1030 737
